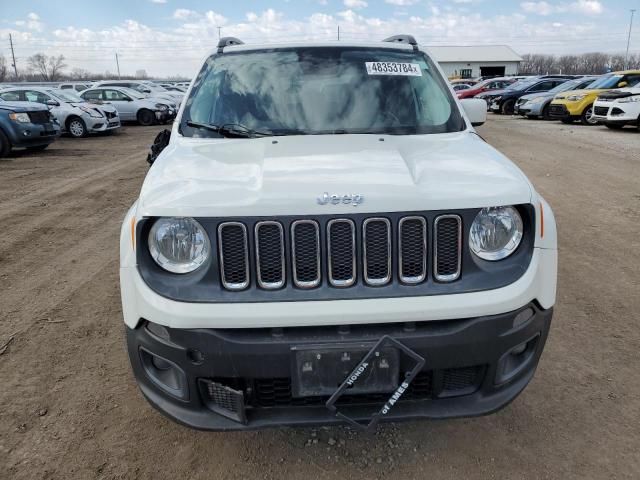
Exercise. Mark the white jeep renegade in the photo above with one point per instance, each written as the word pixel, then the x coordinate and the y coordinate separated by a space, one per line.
pixel 326 239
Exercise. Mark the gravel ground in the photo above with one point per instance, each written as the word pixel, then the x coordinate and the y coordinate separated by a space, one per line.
pixel 69 407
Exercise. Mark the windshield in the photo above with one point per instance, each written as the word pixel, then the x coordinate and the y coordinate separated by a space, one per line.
pixel 322 91
pixel 608 81
pixel 521 84
pixel 66 96
pixel 566 86
pixel 132 93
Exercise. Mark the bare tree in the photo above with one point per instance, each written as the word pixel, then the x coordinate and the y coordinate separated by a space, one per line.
pixel 3 68
pixel 49 68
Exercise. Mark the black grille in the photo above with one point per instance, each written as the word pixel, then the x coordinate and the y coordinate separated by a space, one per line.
pixel 377 251
pixel 111 114
pixel 40 117
pixel 413 249
pixel 232 238
pixel 448 231
pixel 601 111
pixel 306 253
pixel 270 254
pixel 342 254
pixel 277 392
pixel 456 381
pixel 557 110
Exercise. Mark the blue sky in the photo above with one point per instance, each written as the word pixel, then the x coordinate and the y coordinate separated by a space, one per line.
pixel 169 37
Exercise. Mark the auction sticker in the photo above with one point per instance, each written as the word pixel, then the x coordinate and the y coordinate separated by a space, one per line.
pixel 393 68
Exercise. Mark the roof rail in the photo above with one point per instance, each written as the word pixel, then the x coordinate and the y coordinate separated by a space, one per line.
pixel 227 42
pixel 403 39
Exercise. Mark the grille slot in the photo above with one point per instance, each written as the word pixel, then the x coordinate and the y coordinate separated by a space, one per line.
pixel 602 111
pixel 341 245
pixel 447 247
pixel 270 255
pixel 305 252
pixel 412 240
pixel 377 251
pixel 39 117
pixel 234 255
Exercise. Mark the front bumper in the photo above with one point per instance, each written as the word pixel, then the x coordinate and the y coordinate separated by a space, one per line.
pixel 617 113
pixel 22 135
pixel 165 116
pixel 471 369
pixel 104 124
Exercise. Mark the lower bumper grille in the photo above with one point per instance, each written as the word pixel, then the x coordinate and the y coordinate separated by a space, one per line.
pixel 558 111
pixel 601 111
pixel 277 392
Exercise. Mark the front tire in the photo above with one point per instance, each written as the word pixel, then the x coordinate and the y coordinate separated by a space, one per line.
pixel 146 118
pixel 5 146
pixel 76 127
pixel 587 117
pixel 507 107
pixel 545 113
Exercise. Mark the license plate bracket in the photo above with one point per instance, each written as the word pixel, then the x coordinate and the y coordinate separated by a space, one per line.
pixel 320 369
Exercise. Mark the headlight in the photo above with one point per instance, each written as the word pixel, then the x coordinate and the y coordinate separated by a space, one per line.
pixel 91 112
pixel 179 244
pixel 495 233
pixel 161 106
pixel 20 117
pixel 575 98
pixel 497 98
pixel 635 98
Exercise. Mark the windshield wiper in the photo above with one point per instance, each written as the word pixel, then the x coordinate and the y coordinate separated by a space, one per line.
pixel 229 130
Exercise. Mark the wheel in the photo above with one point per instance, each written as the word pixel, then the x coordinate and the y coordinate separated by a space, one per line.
pixel 76 127
pixel 39 148
pixel 545 113
pixel 614 126
pixel 567 121
pixel 587 116
pixel 5 146
pixel 146 118
pixel 508 107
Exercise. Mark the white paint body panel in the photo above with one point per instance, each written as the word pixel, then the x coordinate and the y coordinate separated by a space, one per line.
pixel 284 176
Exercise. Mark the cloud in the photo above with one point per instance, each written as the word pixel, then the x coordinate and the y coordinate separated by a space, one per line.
pixel 402 3
pixel 184 14
pixel 355 4
pixel 159 2
pixel 585 7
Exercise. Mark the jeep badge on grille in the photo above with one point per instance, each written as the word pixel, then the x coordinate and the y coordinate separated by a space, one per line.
pixel 354 199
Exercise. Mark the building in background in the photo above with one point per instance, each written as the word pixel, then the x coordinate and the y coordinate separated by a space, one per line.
pixel 477 61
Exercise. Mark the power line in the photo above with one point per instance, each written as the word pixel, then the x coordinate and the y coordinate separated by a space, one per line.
pixel 626 57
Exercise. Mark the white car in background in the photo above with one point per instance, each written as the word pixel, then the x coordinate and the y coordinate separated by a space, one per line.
pixel 149 89
pixel 132 105
pixel 618 108
pixel 76 116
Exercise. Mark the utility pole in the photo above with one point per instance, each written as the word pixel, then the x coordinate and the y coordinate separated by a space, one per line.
pixel 626 57
pixel 219 32
pixel 13 56
pixel 118 65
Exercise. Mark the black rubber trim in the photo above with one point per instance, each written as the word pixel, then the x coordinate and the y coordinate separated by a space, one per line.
pixel 204 285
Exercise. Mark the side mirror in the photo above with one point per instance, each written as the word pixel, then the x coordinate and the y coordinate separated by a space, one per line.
pixel 622 84
pixel 52 103
pixel 476 110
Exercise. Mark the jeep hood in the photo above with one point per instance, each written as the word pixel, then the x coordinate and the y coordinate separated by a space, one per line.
pixel 285 175
pixel 20 107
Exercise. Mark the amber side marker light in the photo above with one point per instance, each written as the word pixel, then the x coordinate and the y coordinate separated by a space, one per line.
pixel 541 221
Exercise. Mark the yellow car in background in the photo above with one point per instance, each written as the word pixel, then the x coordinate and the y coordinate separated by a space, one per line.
pixel 578 104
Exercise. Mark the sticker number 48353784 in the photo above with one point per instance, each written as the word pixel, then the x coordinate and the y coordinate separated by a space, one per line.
pixel 393 68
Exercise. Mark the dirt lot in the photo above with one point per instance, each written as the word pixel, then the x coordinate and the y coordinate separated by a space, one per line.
pixel 69 407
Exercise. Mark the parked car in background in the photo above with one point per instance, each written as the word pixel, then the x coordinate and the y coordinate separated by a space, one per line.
pixel 150 89
pixel 535 105
pixel 461 86
pixel 578 104
pixel 26 125
pixel 504 101
pixel 618 108
pixel 486 86
pixel 132 105
pixel 77 86
pixel 75 116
